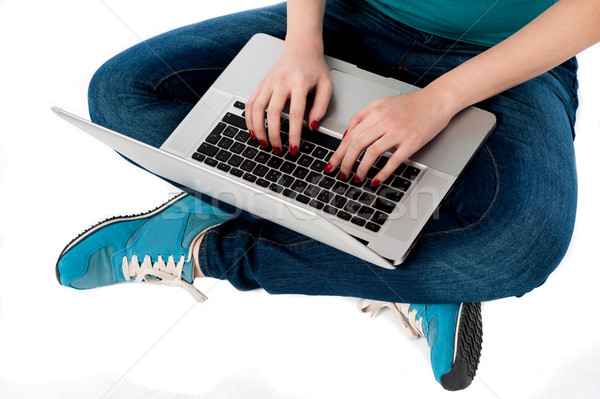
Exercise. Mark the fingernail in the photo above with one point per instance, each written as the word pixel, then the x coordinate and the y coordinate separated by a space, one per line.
pixel 357 179
pixel 294 150
pixel 252 135
pixel 277 150
pixel 345 133
pixel 343 176
pixel 313 125
pixel 375 183
pixel 263 143
pixel 328 167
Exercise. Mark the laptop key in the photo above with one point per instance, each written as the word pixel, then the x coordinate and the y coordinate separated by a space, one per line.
pixel 235 160
pixel 223 166
pixel 344 215
pixel 299 185
pixel 249 153
pixel 384 205
pixel 325 196
pixel 313 177
pixel 263 182
pixel 237 148
pixel 316 204
pixel 236 172
pixel 390 194
pixel 379 217
pixel 372 226
pixel 411 173
pixel 239 105
pixel 242 136
pixel 225 143
pixel 352 207
pixel 262 157
pixel 329 209
pixel 287 167
pixel 339 187
pixel 274 162
pixel 208 149
pixel 401 183
pixel 248 165
pixel 275 187
pixel 223 155
pixel 286 180
pixel 289 193
pixel 198 157
pixel 305 160
pixel 300 172
pixel 338 201
pixel 318 165
pixel 365 212
pixel 358 221
pixel 326 182
pixel 366 198
pixel 302 198
pixel 354 193
pixel 260 170
pixel 320 152
pixel 235 120
pixel 249 177
pixel 273 175
pixel 312 191
pixel 211 162
pixel 230 131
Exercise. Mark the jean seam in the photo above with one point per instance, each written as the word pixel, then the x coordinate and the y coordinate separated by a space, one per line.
pixel 487 212
pixel 248 234
pixel 155 88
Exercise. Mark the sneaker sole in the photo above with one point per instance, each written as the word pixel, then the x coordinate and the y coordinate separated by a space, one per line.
pixel 112 220
pixel 468 349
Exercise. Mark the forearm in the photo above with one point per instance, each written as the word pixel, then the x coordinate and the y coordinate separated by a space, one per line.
pixel 305 24
pixel 561 32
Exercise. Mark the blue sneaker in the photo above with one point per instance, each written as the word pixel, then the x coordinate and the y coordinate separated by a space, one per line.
pixel 453 332
pixel 154 247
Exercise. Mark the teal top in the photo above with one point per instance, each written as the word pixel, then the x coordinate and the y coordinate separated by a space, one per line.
pixel 484 22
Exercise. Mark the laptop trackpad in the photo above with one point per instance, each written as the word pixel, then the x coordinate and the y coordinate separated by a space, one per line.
pixel 351 94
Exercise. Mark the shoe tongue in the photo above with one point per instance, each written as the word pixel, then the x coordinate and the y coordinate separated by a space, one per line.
pixel 188 272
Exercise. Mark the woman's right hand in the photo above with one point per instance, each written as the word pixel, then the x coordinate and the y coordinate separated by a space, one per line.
pixel 300 69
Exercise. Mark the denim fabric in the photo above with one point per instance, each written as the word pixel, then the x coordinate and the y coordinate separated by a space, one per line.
pixel 504 229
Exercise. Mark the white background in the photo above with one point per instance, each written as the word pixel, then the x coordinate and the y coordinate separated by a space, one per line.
pixel 134 341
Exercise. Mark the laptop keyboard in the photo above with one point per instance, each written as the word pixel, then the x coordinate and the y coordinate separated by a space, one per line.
pixel 230 149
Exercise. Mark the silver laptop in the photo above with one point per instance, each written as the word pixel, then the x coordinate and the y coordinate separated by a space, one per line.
pixel 212 152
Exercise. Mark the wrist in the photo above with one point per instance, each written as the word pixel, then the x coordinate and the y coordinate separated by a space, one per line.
pixel 446 98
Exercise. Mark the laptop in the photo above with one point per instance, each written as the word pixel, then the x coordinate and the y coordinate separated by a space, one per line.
pixel 211 152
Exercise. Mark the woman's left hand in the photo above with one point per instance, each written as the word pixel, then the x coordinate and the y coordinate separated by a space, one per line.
pixel 405 122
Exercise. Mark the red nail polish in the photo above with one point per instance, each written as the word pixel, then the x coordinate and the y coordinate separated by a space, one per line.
pixel 345 133
pixel 263 143
pixel 277 150
pixel 357 179
pixel 252 135
pixel 375 183
pixel 294 150
pixel 343 176
pixel 313 125
pixel 328 167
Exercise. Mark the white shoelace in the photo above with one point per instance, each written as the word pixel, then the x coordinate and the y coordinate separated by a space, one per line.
pixel 168 273
pixel 412 327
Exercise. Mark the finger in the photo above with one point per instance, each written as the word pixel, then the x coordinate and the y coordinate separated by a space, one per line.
pixel 258 113
pixel 362 114
pixel 322 97
pixel 363 136
pixel 399 156
pixel 372 153
pixel 248 112
pixel 274 119
pixel 297 106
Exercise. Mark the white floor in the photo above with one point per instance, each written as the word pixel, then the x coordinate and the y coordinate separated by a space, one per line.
pixel 155 342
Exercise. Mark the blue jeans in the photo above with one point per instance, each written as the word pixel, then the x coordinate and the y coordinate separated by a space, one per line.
pixel 505 228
